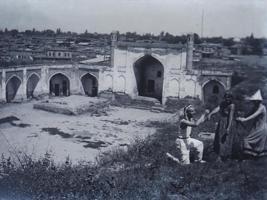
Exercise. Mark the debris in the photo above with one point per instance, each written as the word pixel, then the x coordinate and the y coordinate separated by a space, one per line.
pixel 56 131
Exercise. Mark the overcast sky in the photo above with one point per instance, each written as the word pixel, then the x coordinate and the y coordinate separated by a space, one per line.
pixel 228 18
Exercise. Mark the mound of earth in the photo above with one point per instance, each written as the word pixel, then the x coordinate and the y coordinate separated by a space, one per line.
pixel 73 105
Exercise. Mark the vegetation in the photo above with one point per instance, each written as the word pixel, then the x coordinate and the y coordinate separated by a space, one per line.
pixel 140 172
pixel 253 45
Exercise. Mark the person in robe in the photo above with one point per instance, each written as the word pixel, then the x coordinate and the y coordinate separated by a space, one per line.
pixel 255 143
pixel 224 132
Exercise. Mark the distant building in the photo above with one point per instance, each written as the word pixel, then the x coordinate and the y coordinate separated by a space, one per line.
pixel 59 54
pixel 223 52
pixel 22 55
pixel 197 56
pixel 236 49
pixel 54 54
pixel 208 50
pixel 264 50
pixel 212 50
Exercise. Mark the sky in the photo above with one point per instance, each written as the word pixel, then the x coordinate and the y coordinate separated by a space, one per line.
pixel 227 18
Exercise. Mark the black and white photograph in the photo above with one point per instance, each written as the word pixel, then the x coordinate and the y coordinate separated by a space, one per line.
pixel 133 100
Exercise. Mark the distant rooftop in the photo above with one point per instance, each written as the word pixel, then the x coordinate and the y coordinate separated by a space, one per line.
pixel 150 45
pixel 100 60
pixel 216 64
pixel 58 49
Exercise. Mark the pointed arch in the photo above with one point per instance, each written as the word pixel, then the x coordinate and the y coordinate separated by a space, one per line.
pixel 59 84
pixel 149 75
pixel 12 86
pixel 32 82
pixel 174 87
pixel 213 91
pixel 90 84
pixel 109 82
pixel 121 84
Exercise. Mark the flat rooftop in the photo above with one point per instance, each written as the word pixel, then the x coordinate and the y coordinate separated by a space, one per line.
pixel 159 45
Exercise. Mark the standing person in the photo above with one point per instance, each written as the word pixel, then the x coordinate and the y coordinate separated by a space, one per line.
pixel 223 140
pixel 255 143
pixel 184 141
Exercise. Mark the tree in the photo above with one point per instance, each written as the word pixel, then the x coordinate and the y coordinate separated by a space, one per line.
pixel 14 32
pixel 257 45
pixel 228 42
pixel 253 45
pixel 49 32
pixel 197 39
pixel 58 31
pixel 28 32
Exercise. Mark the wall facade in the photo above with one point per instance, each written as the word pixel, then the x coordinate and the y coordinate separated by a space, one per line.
pixel 59 54
pixel 137 69
pixel 35 80
pixel 123 75
pixel 179 78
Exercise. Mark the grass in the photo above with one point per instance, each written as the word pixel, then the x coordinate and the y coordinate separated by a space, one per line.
pixel 140 172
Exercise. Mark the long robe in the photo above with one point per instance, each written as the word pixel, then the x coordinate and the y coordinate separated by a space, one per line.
pixel 255 143
pixel 224 147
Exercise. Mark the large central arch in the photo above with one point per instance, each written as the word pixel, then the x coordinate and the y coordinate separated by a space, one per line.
pixel 59 85
pixel 149 73
pixel 90 85
pixel 12 87
pixel 213 92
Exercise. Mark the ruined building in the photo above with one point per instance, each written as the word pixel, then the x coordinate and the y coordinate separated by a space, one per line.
pixel 138 70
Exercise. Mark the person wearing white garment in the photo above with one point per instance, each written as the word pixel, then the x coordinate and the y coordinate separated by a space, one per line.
pixel 255 143
pixel 184 142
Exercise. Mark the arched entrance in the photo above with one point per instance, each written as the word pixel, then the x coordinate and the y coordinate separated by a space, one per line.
pixel 149 73
pixel 90 85
pixel 59 85
pixel 31 85
pixel 12 87
pixel 213 92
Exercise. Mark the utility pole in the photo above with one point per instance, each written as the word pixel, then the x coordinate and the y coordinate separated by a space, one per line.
pixel 202 23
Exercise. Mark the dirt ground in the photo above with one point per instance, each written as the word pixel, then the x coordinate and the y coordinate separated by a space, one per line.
pixel 80 137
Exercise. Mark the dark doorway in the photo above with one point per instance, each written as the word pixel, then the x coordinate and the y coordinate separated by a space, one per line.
pixel 12 87
pixel 65 88
pixel 31 85
pixel 57 92
pixel 151 86
pixel 90 85
pixel 213 92
pixel 59 85
pixel 215 89
pixel 149 73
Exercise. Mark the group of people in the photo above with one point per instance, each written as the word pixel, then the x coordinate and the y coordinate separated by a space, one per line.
pixel 254 142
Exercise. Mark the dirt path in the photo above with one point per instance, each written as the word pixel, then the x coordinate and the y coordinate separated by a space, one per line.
pixel 80 137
